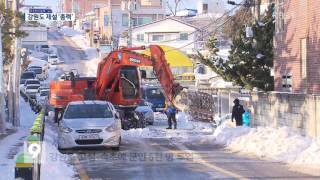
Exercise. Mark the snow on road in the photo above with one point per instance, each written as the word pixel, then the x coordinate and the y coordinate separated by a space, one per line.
pixel 280 144
pixel 54 164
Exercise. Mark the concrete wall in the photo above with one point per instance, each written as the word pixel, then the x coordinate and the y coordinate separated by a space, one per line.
pixel 301 112
pixel 298 111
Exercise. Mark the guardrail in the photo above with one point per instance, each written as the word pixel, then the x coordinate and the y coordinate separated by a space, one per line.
pixel 28 163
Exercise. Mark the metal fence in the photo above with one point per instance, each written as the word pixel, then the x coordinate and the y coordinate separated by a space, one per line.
pixel 223 99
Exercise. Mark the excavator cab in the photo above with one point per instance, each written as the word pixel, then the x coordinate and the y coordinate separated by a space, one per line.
pixel 129 83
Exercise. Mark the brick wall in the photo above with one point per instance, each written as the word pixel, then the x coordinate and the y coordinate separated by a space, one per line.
pixel 302 20
pixel 298 111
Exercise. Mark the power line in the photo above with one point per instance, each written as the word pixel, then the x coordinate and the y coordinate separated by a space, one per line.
pixel 208 34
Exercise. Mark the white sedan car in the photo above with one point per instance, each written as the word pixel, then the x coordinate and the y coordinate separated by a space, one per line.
pixel 53 59
pixel 89 124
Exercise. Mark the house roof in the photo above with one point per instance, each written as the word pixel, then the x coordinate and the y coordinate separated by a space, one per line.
pixel 164 19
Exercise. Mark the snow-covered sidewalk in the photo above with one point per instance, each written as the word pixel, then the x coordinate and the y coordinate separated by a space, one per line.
pixel 11 145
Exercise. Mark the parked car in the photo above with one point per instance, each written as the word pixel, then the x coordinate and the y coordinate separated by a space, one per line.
pixel 144 109
pixel 44 48
pixel 27 75
pixel 154 95
pixel 89 123
pixel 40 72
pixel 53 59
pixel 32 82
pixel 42 96
pixel 32 90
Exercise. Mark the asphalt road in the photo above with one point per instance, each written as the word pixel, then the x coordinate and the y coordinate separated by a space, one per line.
pixel 164 158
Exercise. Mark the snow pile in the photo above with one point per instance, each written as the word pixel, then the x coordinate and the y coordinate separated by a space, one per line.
pixel 54 164
pixel 226 133
pixel 281 144
pixel 90 67
pixel 68 31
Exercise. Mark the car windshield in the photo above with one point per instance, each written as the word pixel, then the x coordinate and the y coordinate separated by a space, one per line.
pixel 44 46
pixel 53 56
pixel 44 93
pixel 33 87
pixel 32 82
pixel 36 70
pixel 28 75
pixel 154 93
pixel 80 111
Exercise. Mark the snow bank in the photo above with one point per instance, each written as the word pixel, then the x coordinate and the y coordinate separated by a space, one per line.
pixel 67 31
pixel 12 144
pixel 6 147
pixel 281 144
pixel 54 164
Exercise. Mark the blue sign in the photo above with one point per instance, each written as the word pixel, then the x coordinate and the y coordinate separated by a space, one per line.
pixel 40 10
pixel 106 20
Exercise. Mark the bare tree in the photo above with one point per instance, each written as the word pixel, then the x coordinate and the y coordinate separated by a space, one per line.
pixel 173 6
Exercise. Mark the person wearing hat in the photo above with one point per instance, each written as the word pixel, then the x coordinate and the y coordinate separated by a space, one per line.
pixel 237 112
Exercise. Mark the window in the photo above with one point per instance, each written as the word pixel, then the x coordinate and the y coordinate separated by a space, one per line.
pixel 303 50
pixel 86 111
pixel 287 82
pixel 280 16
pixel 205 8
pixel 125 20
pixel 157 37
pixel 140 37
pixel 141 21
pixel 183 36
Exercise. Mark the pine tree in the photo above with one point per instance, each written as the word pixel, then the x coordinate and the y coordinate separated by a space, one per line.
pixel 250 60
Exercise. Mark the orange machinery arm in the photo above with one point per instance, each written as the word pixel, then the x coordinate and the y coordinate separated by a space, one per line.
pixel 108 68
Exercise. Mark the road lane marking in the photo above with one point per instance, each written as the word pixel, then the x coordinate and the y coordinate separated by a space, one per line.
pixel 198 159
pixel 82 172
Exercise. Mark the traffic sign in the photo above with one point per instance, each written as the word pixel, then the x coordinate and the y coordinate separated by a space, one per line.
pixel 40 10
pixel 49 16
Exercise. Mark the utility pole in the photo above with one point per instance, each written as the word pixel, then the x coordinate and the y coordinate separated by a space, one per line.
pixel 16 72
pixel 257 4
pixel 130 23
pixel 127 5
pixel 2 109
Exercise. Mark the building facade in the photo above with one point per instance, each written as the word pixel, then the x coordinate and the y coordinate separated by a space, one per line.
pixel 296 46
pixel 170 32
pixel 114 19
pixel 82 7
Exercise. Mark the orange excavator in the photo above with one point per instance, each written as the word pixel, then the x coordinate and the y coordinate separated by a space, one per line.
pixel 118 81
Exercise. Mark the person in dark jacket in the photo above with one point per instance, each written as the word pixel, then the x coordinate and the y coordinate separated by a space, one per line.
pixel 237 112
pixel 171 113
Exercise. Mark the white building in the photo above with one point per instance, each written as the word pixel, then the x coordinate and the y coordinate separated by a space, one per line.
pixel 170 32
pixel 114 18
pixel 210 6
